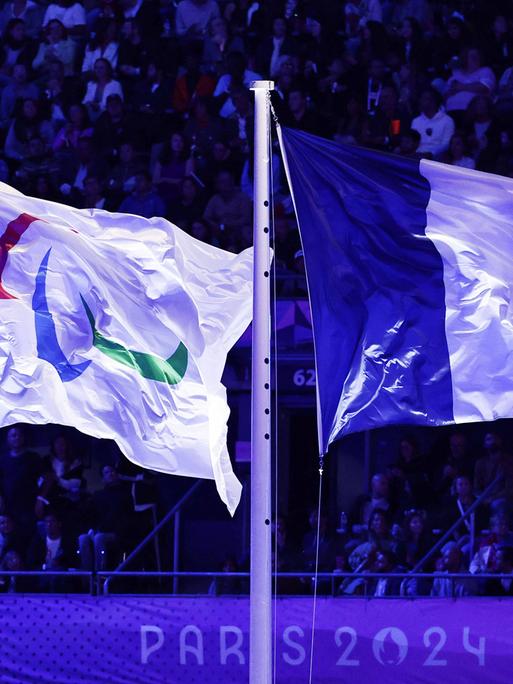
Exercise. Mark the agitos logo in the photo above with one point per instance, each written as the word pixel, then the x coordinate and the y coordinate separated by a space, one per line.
pixel 170 370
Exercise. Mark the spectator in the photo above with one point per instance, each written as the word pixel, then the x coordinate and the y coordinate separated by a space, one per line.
pixel 121 180
pixel 20 470
pixel 17 89
pixel 450 562
pixel 468 79
pixel 191 82
pixel 56 47
pixel 143 200
pixel 378 497
pixel 379 538
pixel 415 538
pixel 219 43
pixel 326 543
pixel 51 549
pixel 194 16
pixel 458 153
pixel 11 538
pixel 228 212
pixel 173 165
pixel 503 565
pixel 433 124
pixel 272 49
pixel 16 47
pixel 70 13
pixel 77 125
pixel 104 45
pixel 62 473
pixel 26 10
pixel 133 54
pixel 189 207
pixel 101 88
pixel 112 512
pixel 500 534
pixel 298 114
pixel 495 462
pixel 115 125
pixel 237 76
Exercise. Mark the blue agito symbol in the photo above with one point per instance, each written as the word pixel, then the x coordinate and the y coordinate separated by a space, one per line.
pixel 170 371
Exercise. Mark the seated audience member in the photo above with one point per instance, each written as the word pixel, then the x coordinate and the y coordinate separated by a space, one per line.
pixel 455 506
pixel 415 469
pixel 500 534
pixel 15 48
pixel 112 512
pixel 19 88
pixel 56 47
pixel 29 122
pixel 26 10
pixel 191 82
pixel 218 43
pixel 10 584
pixel 415 539
pixel 503 565
pixel 433 124
pixel 100 88
pixel 384 124
pixel 77 125
pixel 379 497
pixel 71 14
pixel 229 212
pixel 11 537
pixel 495 462
pixel 285 558
pixel 189 207
pixel 456 459
pixel 51 548
pixel 450 562
pixel 385 563
pixel 143 200
pixel 20 470
pixel 193 17
pixel 38 162
pixel 467 80
pixel 237 76
pixel 103 44
pixel 121 178
pixel 379 538
pixel 173 165
pixel 327 543
pixel 62 473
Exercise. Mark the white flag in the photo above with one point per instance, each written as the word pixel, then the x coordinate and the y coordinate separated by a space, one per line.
pixel 119 326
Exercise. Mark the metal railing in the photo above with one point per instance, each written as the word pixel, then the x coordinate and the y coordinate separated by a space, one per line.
pixel 174 511
pixel 98 582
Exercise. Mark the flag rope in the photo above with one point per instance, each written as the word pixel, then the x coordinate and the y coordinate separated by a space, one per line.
pixel 314 604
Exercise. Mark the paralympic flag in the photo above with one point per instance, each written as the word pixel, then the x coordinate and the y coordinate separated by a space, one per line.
pixel 410 272
pixel 120 326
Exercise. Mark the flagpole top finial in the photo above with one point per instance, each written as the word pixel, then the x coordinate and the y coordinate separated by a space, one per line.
pixel 262 85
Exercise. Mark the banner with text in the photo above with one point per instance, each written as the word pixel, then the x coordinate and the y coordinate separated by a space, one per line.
pixel 139 640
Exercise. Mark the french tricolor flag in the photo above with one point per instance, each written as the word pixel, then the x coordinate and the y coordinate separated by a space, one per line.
pixel 410 273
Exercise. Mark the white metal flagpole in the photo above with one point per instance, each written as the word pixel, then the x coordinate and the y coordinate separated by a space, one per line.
pixel 260 629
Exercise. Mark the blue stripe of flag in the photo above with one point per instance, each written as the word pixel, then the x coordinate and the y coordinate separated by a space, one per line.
pixel 376 287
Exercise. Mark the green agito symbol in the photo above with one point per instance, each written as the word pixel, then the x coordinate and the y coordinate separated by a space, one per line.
pixel 169 370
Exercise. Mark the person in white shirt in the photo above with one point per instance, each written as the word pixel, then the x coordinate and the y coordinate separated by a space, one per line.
pixel 238 76
pixel 433 124
pixel 194 16
pixel 468 80
pixel 99 89
pixel 71 14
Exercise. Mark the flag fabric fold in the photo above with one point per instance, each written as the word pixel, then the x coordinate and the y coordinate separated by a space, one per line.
pixel 410 279
pixel 120 326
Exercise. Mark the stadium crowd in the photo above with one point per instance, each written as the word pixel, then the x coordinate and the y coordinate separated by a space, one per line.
pixel 143 106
